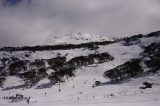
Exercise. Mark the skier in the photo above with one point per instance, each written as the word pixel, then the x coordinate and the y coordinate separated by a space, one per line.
pixel 12 98
pixel 28 100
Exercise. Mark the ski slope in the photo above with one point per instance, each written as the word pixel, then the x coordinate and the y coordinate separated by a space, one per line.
pixel 78 90
pixel 126 94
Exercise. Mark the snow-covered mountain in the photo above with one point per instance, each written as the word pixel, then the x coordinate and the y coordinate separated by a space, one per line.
pixel 76 38
pixel 120 72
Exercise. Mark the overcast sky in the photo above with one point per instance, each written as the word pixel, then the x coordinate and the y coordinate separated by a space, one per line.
pixel 32 21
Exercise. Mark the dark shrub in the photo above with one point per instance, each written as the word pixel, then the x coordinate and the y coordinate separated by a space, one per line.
pixel 97 83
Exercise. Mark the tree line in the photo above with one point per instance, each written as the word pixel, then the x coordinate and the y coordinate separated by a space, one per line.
pixel 127 70
pixel 56 47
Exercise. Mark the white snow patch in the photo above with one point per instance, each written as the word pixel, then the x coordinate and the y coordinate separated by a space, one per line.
pixel 13 81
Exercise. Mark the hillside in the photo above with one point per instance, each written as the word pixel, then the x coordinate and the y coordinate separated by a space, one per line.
pixel 92 70
pixel 77 38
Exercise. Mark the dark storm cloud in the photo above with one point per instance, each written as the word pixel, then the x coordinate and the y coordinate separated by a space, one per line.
pixel 32 21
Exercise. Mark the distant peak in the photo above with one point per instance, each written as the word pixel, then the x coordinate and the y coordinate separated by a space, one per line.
pixel 77 38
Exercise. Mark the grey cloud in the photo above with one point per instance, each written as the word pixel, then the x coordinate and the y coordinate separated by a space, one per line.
pixel 31 23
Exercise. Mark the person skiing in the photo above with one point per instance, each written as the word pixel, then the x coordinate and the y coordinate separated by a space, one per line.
pixel 28 100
